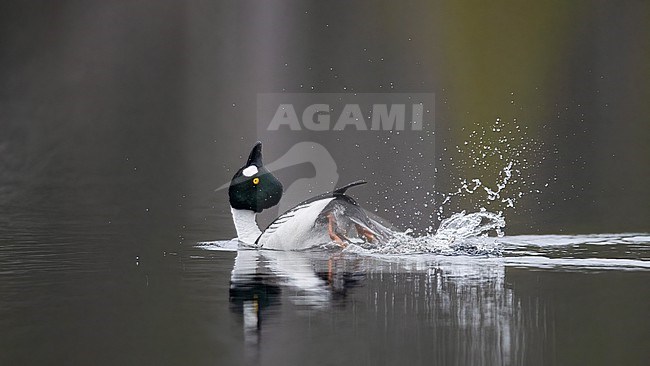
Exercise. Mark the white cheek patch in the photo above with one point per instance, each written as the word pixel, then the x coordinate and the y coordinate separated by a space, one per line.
pixel 250 171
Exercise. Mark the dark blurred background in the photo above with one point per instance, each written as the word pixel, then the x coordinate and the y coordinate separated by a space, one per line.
pixel 124 116
pixel 118 119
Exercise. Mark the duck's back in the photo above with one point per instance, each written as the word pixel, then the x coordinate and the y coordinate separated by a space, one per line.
pixel 297 228
pixel 306 225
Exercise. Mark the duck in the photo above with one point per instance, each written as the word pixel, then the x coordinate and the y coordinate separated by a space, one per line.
pixel 329 218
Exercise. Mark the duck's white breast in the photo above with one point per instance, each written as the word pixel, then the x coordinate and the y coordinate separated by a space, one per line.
pixel 293 229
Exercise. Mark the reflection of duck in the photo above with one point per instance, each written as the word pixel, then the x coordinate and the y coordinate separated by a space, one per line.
pixel 332 216
pixel 464 307
pixel 251 292
pixel 316 280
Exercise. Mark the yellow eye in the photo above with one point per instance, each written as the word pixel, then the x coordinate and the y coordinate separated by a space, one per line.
pixel 256 180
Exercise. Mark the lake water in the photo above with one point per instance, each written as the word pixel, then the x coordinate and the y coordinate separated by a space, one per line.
pixel 70 295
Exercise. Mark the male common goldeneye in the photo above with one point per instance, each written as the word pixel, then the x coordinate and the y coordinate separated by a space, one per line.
pixel 329 217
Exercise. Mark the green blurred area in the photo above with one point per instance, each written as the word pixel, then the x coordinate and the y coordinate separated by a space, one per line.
pixel 576 75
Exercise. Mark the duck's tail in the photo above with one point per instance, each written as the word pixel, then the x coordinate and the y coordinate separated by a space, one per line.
pixel 341 190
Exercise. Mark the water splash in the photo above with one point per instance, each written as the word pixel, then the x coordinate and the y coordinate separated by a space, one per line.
pixel 506 148
pixel 502 148
pixel 461 234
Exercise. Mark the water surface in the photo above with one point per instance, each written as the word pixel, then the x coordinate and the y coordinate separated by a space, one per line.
pixel 546 300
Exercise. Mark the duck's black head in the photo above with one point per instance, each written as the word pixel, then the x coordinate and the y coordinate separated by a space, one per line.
pixel 253 187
